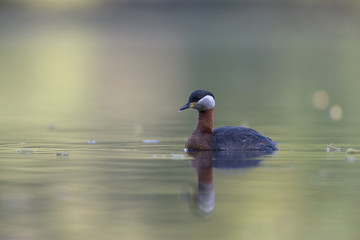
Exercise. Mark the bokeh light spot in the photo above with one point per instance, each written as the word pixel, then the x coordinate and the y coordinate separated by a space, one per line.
pixel 336 112
pixel 321 99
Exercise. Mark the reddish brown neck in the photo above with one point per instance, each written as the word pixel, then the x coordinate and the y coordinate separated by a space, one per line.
pixel 205 121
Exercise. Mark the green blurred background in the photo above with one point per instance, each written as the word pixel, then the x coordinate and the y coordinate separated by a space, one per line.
pixel 117 72
pixel 83 60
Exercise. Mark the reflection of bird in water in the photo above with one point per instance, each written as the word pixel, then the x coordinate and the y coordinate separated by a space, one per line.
pixel 223 138
pixel 236 159
pixel 201 199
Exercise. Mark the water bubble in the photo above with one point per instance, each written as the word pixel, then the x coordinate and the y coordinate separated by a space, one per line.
pixel 177 156
pixel 91 142
pixel 62 154
pixel 25 151
pixel 150 141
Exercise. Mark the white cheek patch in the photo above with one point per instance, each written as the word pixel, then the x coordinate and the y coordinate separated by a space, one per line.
pixel 206 103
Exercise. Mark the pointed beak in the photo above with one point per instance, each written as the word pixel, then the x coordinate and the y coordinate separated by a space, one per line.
pixel 186 106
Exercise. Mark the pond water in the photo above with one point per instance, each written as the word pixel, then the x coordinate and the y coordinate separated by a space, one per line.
pixel 92 143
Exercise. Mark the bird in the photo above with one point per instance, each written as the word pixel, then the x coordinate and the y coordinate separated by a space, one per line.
pixel 205 138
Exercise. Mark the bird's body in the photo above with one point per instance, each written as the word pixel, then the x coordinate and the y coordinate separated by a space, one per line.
pixel 204 137
pixel 242 139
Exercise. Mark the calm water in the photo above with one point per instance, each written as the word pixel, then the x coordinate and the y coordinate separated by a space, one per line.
pixel 75 162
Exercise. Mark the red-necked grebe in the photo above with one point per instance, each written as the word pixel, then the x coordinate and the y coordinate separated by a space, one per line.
pixel 204 137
